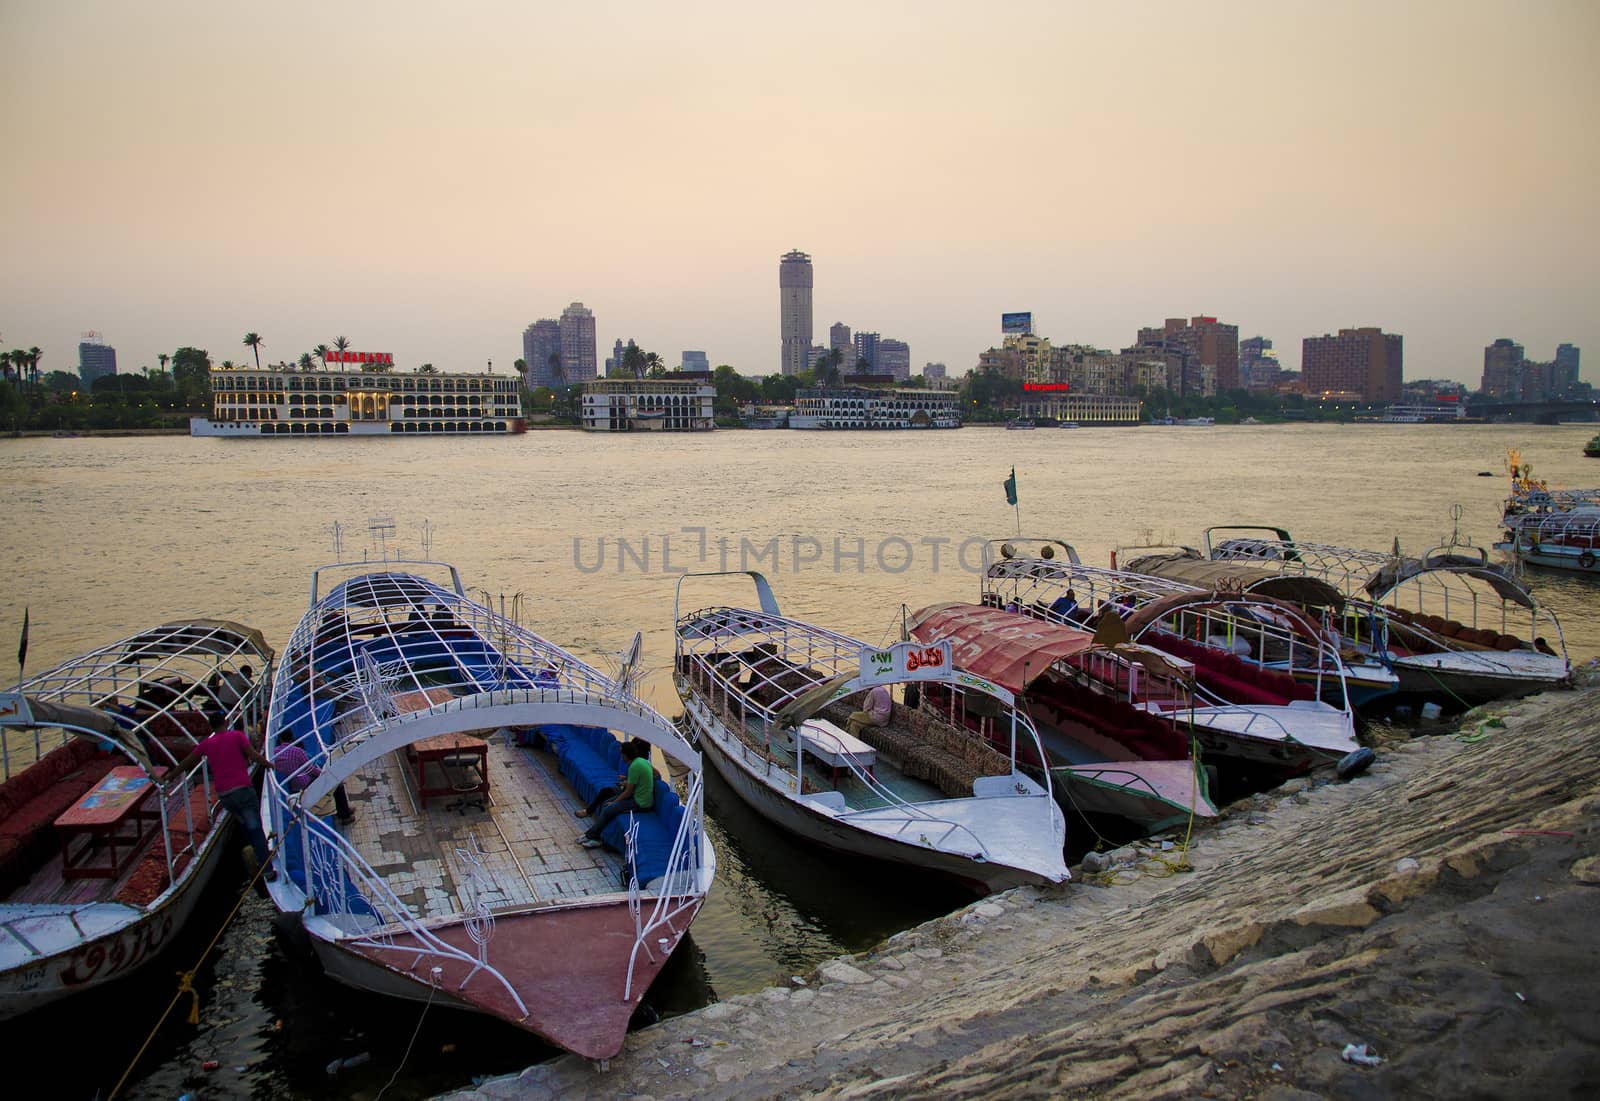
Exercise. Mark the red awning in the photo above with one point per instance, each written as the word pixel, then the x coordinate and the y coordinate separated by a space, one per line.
pixel 1008 648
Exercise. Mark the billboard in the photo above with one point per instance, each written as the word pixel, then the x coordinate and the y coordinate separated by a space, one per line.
pixel 1016 322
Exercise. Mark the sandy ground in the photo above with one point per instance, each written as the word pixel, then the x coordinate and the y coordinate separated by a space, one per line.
pixel 1441 909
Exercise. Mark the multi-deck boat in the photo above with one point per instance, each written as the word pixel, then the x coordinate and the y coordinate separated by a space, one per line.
pixel 279 402
pixel 1455 629
pixel 768 698
pixel 100 868
pixel 466 743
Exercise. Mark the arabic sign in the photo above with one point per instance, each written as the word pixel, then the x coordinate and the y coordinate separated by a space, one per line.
pixel 383 358
pixel 907 661
pixel 1016 322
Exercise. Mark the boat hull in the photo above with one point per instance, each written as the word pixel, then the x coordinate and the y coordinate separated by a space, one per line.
pixel 822 829
pixel 579 1001
pixel 118 953
pixel 1451 685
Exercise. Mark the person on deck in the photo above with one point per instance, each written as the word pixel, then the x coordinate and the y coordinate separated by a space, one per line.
pixel 296 771
pixel 230 754
pixel 638 791
pixel 877 709
pixel 1065 607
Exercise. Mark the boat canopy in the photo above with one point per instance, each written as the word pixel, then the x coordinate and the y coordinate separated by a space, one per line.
pixel 1398 571
pixel 1154 612
pixel 1010 649
pixel 1258 580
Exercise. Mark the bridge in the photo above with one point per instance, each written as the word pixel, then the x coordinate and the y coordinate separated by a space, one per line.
pixel 1536 412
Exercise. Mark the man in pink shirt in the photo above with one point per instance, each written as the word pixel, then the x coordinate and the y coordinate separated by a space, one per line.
pixel 879 706
pixel 229 753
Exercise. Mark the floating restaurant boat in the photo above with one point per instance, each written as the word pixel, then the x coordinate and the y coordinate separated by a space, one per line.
pixel 466 744
pixel 1446 621
pixel 767 698
pixel 99 870
pixel 360 398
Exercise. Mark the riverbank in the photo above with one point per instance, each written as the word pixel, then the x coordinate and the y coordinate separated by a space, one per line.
pixel 1438 909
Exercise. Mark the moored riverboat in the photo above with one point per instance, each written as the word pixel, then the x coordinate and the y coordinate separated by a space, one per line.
pixel 466 744
pixel 1456 629
pixel 1564 539
pixel 771 700
pixel 103 852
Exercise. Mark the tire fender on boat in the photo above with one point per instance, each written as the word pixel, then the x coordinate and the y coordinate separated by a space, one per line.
pixel 1586 560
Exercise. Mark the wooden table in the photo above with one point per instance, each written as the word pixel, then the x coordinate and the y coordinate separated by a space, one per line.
pixel 838 748
pixel 450 753
pixel 103 817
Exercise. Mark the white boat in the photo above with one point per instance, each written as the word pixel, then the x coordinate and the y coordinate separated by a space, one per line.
pixel 767 697
pixel 1558 539
pixel 1268 687
pixel 98 871
pixel 1456 630
pixel 467 743
pixel 1021 424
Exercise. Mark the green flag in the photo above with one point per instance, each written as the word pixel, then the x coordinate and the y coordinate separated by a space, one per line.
pixel 1011 487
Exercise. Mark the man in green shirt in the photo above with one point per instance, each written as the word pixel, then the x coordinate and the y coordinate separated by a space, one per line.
pixel 638 791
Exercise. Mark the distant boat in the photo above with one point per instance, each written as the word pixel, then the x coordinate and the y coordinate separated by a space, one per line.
pixel 1020 423
pixel 1592 448
pixel 1069 424
pixel 1199 422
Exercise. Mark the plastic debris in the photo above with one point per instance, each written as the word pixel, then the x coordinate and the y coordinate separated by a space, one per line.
pixel 798 981
pixel 345 1064
pixel 1277 1066
pixel 1359 1055
pixel 210 1064
pixel 1520 998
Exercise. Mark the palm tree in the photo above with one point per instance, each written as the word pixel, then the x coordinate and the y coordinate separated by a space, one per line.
pixel 5 364
pixel 253 342
pixel 227 364
pixel 163 357
pixel 321 352
pixel 557 375
pixel 652 366
pixel 427 369
pixel 341 345
pixel 33 365
pixel 305 361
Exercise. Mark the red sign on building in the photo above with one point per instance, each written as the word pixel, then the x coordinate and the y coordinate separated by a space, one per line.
pixel 385 359
pixel 1046 387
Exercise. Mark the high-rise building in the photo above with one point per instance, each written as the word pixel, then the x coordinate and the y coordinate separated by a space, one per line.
pixel 894 358
pixel 96 359
pixel 694 361
pixel 1210 351
pixel 1502 370
pixel 579 358
pixel 1258 365
pixel 794 310
pixel 540 341
pixel 839 340
pixel 1365 363
pixel 866 348
pixel 1566 372
pixel 933 370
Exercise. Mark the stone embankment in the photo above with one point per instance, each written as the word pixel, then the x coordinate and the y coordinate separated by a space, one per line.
pixel 1439 909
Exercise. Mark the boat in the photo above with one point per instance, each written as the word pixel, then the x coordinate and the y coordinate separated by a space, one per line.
pixel 1021 424
pixel 362 398
pixel 767 699
pixel 467 743
pixel 1268 687
pixel 1106 749
pixel 100 870
pixel 1592 448
pixel 1068 424
pixel 1557 538
pixel 1456 629
pixel 1198 422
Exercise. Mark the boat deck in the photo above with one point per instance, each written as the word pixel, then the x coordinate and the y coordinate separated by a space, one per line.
pixel 526 830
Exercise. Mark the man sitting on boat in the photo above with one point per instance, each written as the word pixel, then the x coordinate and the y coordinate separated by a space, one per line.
pixel 638 791
pixel 1065 607
pixel 879 706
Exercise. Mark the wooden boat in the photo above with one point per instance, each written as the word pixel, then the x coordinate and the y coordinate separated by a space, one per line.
pixel 1107 749
pixel 466 744
pixel 99 871
pixel 767 697
pixel 1444 621
pixel 1260 623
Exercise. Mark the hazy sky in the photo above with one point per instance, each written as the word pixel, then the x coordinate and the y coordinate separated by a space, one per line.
pixel 429 178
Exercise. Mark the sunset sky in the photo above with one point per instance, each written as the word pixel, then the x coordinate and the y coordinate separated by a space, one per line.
pixel 429 178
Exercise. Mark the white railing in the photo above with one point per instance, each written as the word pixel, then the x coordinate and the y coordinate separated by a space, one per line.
pixel 330 861
pixel 680 884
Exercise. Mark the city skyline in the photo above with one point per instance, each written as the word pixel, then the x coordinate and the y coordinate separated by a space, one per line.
pixel 315 189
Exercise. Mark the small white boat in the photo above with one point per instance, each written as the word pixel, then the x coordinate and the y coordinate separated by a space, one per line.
pixel 467 743
pixel 1558 539
pixel 99 871
pixel 768 698
pixel 1021 424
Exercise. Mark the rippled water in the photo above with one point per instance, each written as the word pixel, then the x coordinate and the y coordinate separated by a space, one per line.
pixel 108 536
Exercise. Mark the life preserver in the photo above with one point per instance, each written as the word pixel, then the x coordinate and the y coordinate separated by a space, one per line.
pixel 1586 560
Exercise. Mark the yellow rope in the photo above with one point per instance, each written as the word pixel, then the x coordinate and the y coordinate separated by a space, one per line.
pixel 186 981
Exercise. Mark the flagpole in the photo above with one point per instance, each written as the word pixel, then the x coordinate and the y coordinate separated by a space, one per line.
pixel 22 649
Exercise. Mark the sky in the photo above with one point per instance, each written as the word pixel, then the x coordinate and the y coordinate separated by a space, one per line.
pixel 428 179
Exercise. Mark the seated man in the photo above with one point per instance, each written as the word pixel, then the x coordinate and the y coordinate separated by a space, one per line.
pixel 878 707
pixel 1065 607
pixel 638 791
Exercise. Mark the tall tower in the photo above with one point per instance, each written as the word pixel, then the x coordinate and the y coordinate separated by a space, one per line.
pixel 794 310
pixel 578 358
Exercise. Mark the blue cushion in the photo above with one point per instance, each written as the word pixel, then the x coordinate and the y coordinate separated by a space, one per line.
pixel 590 757
pixel 658 828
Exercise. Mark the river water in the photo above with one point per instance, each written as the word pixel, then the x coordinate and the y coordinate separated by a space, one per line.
pixel 104 537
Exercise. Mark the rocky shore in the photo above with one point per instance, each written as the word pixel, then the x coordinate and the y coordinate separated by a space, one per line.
pixel 1439 910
